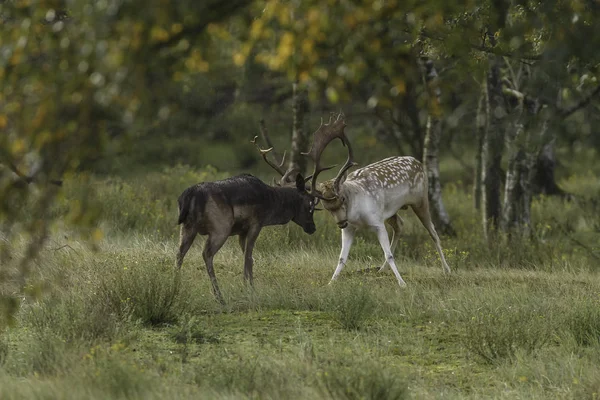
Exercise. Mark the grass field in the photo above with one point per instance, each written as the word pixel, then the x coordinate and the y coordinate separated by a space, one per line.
pixel 517 319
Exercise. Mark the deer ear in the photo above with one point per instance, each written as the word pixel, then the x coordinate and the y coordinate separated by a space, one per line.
pixel 300 185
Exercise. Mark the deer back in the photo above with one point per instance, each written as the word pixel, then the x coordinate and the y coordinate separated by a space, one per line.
pixel 391 183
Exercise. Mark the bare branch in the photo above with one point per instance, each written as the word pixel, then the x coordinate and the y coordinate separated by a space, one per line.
pixel 565 113
pixel 29 178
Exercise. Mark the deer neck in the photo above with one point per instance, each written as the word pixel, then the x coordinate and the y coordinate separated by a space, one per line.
pixel 282 207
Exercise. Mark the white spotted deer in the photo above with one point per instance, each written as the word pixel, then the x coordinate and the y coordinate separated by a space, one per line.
pixel 371 196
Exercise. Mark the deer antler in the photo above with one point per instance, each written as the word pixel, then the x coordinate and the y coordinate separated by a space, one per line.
pixel 285 175
pixel 264 152
pixel 322 137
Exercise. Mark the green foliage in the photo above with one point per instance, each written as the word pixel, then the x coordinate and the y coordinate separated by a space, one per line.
pixel 191 330
pixel 3 349
pixel 582 320
pixel 73 317
pixel 368 381
pixel 143 100
pixel 117 376
pixel 353 305
pixel 498 330
pixel 143 289
pixel 147 205
pixel 75 80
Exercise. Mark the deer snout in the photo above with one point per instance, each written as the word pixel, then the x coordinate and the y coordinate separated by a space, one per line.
pixel 310 229
pixel 342 224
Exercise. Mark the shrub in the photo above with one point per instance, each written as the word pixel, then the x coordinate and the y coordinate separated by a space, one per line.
pixel 497 332
pixel 583 322
pixel 109 371
pixel 368 382
pixel 258 376
pixel 73 316
pixel 353 305
pixel 144 290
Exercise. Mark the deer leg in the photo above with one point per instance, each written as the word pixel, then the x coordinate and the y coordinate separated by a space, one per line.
pixel 423 214
pixel 347 238
pixel 384 241
pixel 396 223
pixel 214 242
pixel 186 238
pixel 248 260
pixel 242 241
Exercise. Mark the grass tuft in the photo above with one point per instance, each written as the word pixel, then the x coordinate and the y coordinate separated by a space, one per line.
pixel 368 382
pixel 353 305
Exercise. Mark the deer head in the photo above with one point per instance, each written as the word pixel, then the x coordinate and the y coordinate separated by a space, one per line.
pixel 326 133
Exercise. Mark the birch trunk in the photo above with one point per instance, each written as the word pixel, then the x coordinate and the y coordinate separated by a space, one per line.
pixel 299 139
pixel 529 125
pixel 440 216
pixel 480 127
pixel 516 212
pixel 492 149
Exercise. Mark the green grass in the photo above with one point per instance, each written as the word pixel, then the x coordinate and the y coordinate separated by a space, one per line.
pixel 515 320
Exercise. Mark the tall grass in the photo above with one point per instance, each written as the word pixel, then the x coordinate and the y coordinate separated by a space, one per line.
pixel 516 319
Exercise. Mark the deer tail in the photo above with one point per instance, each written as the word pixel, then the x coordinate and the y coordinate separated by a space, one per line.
pixel 184 202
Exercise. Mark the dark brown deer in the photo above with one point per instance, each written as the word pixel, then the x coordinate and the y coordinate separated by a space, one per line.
pixel 241 205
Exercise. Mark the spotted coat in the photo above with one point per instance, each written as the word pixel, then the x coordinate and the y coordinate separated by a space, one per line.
pixel 371 196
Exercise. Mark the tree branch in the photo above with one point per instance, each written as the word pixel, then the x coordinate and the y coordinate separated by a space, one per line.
pixel 565 113
pixel 29 179
pixel 214 12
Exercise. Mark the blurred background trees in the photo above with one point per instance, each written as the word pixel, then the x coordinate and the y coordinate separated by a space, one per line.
pixel 119 86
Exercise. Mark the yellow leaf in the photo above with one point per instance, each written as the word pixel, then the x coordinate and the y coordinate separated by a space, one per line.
pixel 400 87
pixel 18 146
pixel 307 46
pixel 256 29
pixel 159 34
pixel 375 45
pixel 3 121
pixel 304 76
pixel 332 95
pixel 239 59
pixel 313 15
pixel 43 138
pixel 350 20
pixel 203 66
pixel 176 28
pixel 97 235
pixel 284 15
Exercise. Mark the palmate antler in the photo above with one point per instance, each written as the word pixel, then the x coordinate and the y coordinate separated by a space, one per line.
pixel 264 152
pixel 285 174
pixel 321 138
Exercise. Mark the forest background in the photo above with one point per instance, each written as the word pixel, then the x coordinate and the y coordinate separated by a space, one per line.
pixel 108 110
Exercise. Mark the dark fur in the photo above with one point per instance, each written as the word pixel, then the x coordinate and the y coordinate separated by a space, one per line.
pixel 240 205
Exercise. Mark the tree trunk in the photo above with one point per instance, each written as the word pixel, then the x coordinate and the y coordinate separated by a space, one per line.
pixel 544 181
pixel 480 127
pixel 299 139
pixel 431 145
pixel 493 145
pixel 516 212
